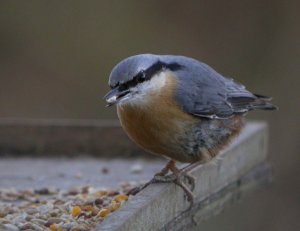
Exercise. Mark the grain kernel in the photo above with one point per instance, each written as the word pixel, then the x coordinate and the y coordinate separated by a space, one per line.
pixel 115 205
pixel 103 212
pixel 76 211
pixel 53 227
pixel 121 198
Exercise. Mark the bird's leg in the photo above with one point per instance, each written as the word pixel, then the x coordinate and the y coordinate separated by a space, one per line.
pixel 190 179
pixel 176 177
pixel 188 193
pixel 177 173
pixel 162 175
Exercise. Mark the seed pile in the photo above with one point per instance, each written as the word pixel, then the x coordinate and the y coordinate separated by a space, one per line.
pixel 76 209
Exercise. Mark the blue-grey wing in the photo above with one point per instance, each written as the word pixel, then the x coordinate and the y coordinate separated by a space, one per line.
pixel 204 92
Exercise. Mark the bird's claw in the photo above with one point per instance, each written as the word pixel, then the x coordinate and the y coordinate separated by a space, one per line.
pixel 190 179
pixel 178 177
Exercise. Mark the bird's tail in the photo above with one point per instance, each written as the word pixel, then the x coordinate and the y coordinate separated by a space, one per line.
pixel 263 102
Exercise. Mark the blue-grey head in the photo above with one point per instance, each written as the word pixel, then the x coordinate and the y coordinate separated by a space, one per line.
pixel 135 77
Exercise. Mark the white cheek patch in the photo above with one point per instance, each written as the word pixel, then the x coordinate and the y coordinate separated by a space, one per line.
pixel 143 91
pixel 156 83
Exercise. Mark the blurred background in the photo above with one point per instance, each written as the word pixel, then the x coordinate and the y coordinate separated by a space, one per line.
pixel 55 58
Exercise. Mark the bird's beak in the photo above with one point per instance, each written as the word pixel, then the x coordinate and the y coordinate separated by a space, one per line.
pixel 114 96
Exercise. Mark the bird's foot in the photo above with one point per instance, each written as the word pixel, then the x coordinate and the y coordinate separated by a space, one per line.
pixel 178 177
pixel 177 174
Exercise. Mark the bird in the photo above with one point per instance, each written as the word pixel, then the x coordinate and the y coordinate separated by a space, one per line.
pixel 179 108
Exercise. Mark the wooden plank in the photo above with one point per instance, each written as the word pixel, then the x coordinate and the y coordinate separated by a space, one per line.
pixel 162 206
pixel 215 203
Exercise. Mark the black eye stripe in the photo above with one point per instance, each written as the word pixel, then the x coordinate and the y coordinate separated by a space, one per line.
pixel 147 74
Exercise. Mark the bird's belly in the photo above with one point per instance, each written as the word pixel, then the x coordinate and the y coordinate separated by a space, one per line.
pixel 178 136
pixel 203 140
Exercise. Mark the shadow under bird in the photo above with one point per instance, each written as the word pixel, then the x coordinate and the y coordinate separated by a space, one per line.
pixel 179 108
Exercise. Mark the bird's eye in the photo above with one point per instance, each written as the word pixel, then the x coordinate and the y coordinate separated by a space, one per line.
pixel 123 87
pixel 140 77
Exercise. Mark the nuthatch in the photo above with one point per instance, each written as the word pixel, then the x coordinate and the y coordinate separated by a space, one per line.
pixel 179 108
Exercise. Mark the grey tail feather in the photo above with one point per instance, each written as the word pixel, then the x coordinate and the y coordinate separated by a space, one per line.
pixel 262 102
pixel 266 98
